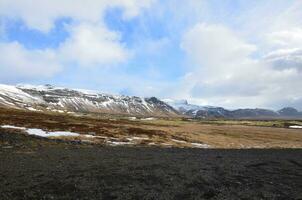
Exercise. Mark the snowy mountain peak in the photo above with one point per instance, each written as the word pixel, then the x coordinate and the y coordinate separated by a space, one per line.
pixel 48 97
pixel 183 105
pixel 37 87
pixel 197 111
pixel 176 101
pixel 59 99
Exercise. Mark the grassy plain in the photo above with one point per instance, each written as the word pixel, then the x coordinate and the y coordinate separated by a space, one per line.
pixel 164 132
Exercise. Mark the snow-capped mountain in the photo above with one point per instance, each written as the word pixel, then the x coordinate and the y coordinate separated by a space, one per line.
pixel 197 111
pixel 59 99
pixel 64 100
pixel 182 105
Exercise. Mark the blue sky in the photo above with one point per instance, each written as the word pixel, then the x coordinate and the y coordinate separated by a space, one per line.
pixel 233 53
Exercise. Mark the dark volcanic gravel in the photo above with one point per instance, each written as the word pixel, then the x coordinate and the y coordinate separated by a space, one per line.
pixel 56 171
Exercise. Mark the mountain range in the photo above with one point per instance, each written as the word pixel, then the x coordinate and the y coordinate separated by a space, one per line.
pixel 64 100
pixel 196 111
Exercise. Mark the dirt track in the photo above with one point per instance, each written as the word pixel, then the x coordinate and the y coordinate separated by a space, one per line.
pixel 33 168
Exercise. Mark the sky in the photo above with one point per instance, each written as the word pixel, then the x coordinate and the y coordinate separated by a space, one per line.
pixel 231 53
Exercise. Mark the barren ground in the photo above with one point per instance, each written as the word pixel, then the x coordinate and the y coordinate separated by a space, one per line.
pixel 37 168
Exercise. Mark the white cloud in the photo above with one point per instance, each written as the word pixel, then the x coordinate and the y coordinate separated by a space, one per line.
pixel 285 47
pixel 217 46
pixel 285 58
pixel 18 62
pixel 132 8
pixel 2 29
pixel 87 46
pixel 90 41
pixel 91 45
pixel 41 14
pixel 226 73
pixel 286 38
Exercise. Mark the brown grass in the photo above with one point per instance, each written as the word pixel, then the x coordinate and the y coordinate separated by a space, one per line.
pixel 163 132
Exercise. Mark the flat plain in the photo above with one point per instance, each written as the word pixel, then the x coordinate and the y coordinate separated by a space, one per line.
pixel 148 158
pixel 163 132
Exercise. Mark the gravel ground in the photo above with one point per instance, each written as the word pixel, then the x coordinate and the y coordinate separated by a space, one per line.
pixel 33 168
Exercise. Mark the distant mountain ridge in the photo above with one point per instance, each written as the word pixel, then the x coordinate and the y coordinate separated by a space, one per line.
pixel 64 100
pixel 57 99
pixel 196 111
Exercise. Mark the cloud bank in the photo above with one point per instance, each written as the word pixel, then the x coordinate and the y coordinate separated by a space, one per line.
pixel 225 72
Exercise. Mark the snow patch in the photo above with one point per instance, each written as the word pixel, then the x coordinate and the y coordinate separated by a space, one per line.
pixel 17 94
pixel 13 127
pixel 132 118
pixel 115 143
pixel 200 145
pixel 178 141
pixel 295 126
pixel 41 133
pixel 32 109
pixel 39 87
pixel 137 138
pixel 55 110
pixel 148 119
